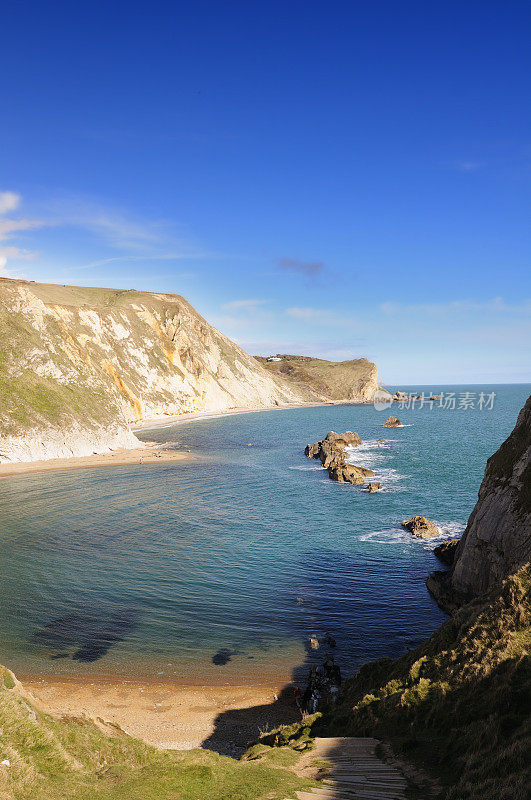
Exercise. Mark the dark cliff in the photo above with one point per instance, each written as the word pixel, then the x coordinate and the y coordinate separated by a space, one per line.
pixel 497 539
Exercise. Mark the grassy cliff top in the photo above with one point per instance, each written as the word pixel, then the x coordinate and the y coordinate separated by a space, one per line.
pixel 54 759
pixel 321 379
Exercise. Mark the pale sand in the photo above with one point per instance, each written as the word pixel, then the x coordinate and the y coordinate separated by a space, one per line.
pixel 148 454
pixel 170 716
pixel 194 416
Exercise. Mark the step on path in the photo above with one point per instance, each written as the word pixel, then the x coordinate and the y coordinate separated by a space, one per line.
pixel 356 772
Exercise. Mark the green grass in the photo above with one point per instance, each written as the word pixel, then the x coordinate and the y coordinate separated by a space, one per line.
pixel 458 705
pixel 72 759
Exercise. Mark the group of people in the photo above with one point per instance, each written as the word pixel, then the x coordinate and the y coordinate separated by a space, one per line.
pixel 322 687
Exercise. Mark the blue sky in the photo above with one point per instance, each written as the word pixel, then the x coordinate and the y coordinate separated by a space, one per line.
pixel 340 179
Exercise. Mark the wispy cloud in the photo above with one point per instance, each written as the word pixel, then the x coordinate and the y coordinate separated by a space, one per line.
pixel 9 201
pixel 10 228
pixel 497 305
pixel 296 265
pixel 116 226
pixel 326 317
pixel 311 314
pixel 469 166
pixel 242 305
pixel 133 239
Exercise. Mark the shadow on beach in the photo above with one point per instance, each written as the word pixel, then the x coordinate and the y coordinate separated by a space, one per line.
pixel 236 729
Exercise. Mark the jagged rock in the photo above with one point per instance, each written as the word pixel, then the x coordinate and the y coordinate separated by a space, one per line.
pixel 392 422
pixel 421 527
pixel 497 539
pixel 332 446
pixel 348 473
pixel 445 552
pixel 374 487
pixel 313 450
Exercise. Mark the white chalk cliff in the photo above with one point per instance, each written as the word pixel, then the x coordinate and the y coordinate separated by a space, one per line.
pixel 78 365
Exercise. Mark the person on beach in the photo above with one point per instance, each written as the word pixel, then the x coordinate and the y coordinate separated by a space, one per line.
pixel 314 702
pixel 297 694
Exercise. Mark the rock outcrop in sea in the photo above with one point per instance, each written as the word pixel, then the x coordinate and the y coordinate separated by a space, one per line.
pixel 392 422
pixel 497 540
pixel 332 446
pixel 421 527
pixel 333 456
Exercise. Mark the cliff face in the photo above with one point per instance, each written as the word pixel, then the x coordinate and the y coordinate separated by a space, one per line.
pixel 497 539
pixel 353 381
pixel 78 364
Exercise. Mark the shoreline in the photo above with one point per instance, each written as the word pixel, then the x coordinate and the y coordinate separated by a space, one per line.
pixel 168 715
pixel 195 416
pixel 149 454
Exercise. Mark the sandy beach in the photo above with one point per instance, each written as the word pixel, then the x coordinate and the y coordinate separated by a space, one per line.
pixel 195 416
pixel 170 716
pixel 141 456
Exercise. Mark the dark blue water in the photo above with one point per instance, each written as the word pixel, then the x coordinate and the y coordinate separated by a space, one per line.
pixel 220 569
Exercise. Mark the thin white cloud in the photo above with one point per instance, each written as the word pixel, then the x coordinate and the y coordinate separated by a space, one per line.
pixel 325 316
pixel 242 305
pixel 135 239
pixel 497 305
pixel 469 166
pixel 9 229
pixel 9 201
pixel 310 314
pixel 101 262
pixel 114 225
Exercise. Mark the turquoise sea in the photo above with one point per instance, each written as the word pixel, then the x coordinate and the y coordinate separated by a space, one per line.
pixel 220 569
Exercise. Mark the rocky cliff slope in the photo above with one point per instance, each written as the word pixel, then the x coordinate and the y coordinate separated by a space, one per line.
pixel 77 365
pixel 497 539
pixel 327 381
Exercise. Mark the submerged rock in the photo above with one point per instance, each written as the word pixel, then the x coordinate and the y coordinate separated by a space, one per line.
pixel 392 422
pixel 421 527
pixel 445 552
pixel 222 657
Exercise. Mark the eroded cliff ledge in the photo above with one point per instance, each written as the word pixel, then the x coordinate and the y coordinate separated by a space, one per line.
pixel 497 539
